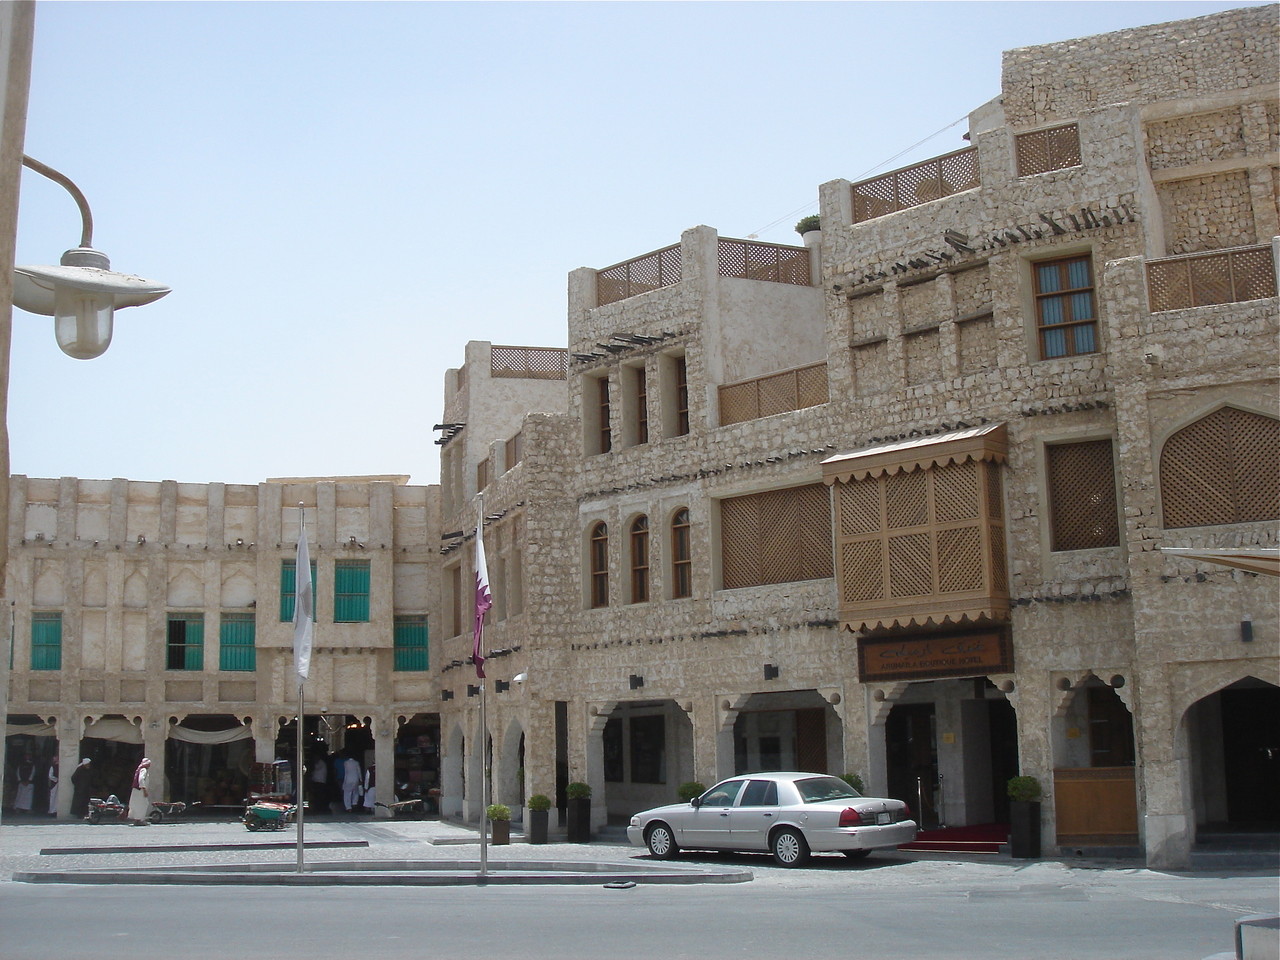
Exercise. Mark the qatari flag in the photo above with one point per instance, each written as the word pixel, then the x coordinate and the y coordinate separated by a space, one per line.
pixel 483 599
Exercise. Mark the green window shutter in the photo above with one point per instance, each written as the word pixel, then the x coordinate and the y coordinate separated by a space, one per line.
pixel 351 591
pixel 46 641
pixel 235 642
pixel 289 588
pixel 411 646
pixel 185 642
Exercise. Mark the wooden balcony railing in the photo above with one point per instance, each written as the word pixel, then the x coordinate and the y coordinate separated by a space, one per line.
pixel 746 259
pixel 529 363
pixel 776 393
pixel 1202 279
pixel 914 185
pixel 634 277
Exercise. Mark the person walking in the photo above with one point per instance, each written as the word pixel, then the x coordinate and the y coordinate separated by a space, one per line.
pixel 350 783
pixel 24 796
pixel 140 798
pixel 80 777
pixel 369 792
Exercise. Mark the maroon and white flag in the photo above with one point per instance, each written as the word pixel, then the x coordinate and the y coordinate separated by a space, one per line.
pixel 483 600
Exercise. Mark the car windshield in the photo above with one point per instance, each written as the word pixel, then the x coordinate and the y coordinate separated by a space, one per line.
pixel 817 789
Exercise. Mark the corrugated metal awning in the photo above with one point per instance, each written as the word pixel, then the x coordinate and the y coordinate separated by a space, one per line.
pixel 987 442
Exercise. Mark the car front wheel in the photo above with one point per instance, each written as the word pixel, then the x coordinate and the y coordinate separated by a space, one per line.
pixel 789 848
pixel 662 844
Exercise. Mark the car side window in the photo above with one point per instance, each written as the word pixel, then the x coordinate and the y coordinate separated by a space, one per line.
pixel 722 794
pixel 760 793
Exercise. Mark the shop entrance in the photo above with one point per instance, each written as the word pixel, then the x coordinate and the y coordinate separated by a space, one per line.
pixel 1235 748
pixel 911 752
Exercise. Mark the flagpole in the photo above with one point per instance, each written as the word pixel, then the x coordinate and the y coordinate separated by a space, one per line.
pixel 483 602
pixel 298 777
pixel 303 630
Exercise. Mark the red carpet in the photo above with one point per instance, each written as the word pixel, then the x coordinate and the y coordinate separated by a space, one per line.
pixel 978 838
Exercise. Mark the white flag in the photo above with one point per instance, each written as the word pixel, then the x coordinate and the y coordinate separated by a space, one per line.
pixel 304 615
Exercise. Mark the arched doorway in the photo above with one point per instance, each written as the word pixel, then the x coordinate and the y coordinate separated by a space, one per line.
pixel 1094 784
pixel 1234 740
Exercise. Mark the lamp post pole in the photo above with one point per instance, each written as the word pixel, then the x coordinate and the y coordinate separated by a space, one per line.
pixel 17 27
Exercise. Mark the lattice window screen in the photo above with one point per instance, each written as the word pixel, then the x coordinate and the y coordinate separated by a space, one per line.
pixel 955 492
pixel 1082 496
pixel 778 536
pixel 1045 150
pixel 1222 469
pixel 907 499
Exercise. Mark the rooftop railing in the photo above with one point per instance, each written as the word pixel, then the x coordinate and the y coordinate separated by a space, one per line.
pixel 529 363
pixel 917 184
pixel 776 393
pixel 1203 279
pixel 745 259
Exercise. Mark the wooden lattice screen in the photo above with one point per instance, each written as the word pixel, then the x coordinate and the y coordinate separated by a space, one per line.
pixel 529 363
pixel 1201 279
pixel 1224 468
pixel 779 536
pixel 763 261
pixel 1082 496
pixel 634 277
pixel 917 184
pixel 776 393
pixel 920 533
pixel 1045 150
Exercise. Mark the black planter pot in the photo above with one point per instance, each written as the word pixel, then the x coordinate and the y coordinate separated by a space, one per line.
pixel 579 820
pixel 538 826
pixel 501 832
pixel 1024 829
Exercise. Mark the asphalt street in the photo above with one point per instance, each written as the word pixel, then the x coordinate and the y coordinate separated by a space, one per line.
pixel 893 905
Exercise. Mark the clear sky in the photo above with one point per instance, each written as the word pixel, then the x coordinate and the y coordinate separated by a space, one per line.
pixel 341 195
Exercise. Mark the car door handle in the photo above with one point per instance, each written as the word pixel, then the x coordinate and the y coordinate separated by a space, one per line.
pixel 768 814
pixel 724 814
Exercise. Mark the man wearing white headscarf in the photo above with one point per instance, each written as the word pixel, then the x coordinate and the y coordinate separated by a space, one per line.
pixel 140 798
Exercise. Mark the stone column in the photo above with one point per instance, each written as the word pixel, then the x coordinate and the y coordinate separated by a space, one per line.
pixel 68 759
pixel 384 761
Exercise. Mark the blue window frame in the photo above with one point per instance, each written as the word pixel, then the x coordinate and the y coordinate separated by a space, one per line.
pixel 185 642
pixel 289 588
pixel 1065 314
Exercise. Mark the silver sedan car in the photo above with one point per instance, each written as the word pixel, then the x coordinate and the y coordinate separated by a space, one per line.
pixel 786 814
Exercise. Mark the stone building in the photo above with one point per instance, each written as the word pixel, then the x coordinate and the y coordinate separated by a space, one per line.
pixel 931 498
pixel 156 619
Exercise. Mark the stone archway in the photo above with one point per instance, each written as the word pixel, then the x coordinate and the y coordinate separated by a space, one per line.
pixel 453 787
pixel 1231 740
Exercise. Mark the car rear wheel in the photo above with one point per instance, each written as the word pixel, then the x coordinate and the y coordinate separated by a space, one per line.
pixel 789 848
pixel 662 844
pixel 857 854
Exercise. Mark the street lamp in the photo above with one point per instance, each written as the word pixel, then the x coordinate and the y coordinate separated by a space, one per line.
pixel 83 293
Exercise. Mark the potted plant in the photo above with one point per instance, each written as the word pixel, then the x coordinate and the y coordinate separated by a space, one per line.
pixel 1024 817
pixel 688 791
pixel 579 823
pixel 539 806
pixel 499 815
pixel 809 224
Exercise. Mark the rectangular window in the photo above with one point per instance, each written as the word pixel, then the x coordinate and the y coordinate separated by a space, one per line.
pixel 46 641
pixel 185 642
pixel 482 474
pixel 614 771
pixel 351 591
pixel 1082 496
pixel 289 588
pixel 1065 316
pixel 776 537
pixel 642 406
pixel 236 636
pixel 602 414
pixel 682 397
pixel 458 600
pixel 1043 150
pixel 411 651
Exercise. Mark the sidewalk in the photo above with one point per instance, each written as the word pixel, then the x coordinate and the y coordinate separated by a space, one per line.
pixel 337 852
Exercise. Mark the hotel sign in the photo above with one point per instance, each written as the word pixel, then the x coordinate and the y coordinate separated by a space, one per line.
pixel 934 657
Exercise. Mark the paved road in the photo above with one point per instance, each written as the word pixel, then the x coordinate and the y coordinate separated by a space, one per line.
pixel 893 906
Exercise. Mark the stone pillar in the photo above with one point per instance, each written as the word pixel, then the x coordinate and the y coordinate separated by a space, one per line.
pixel 597 716
pixel 68 759
pixel 155 731
pixel 384 762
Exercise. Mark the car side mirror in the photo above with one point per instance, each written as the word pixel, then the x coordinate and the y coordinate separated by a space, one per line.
pixel 695 802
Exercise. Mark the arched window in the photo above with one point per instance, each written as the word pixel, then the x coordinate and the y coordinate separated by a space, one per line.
pixel 681 557
pixel 599 565
pixel 639 559
pixel 1221 469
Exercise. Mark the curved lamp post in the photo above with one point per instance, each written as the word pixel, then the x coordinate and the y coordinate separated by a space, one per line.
pixel 83 293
